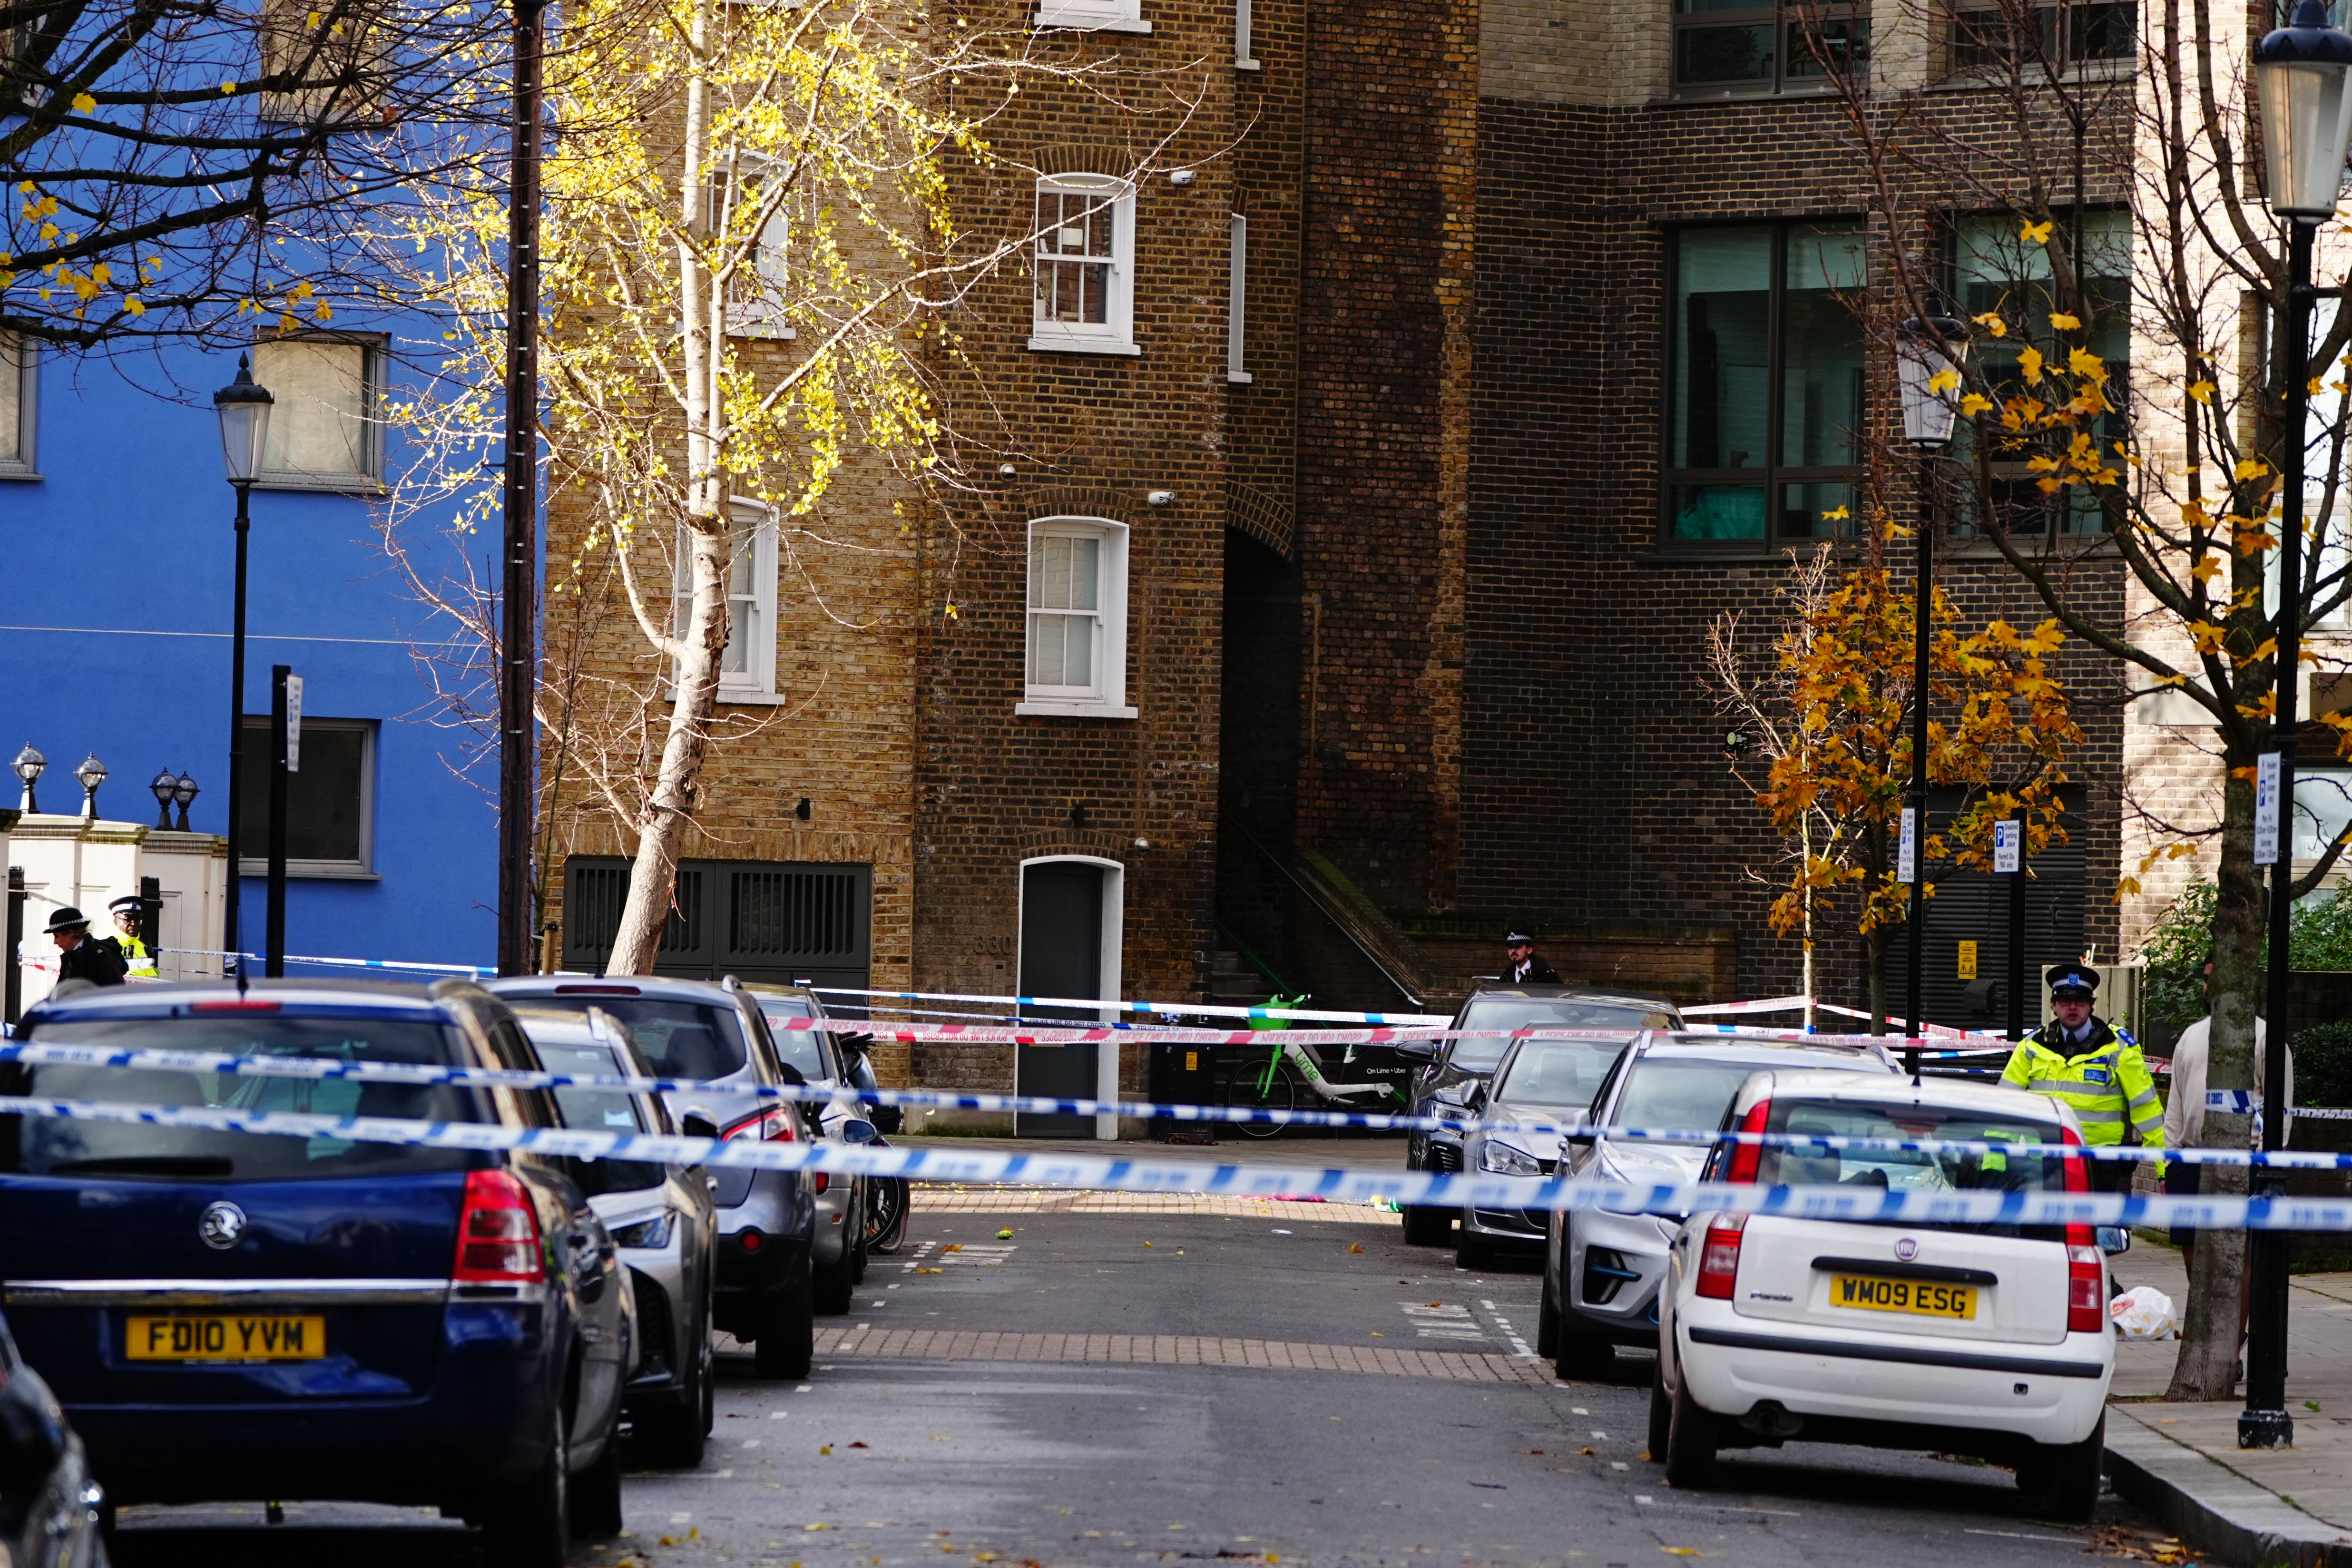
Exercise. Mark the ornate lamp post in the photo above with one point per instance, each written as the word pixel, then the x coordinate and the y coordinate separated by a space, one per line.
pixel 243 406
pixel 30 765
pixel 2300 81
pixel 184 795
pixel 92 773
pixel 163 786
pixel 1929 351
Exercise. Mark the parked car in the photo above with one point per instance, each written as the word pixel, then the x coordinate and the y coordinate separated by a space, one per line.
pixel 1991 1341
pixel 251 1315
pixel 821 1060
pixel 52 1509
pixel 1601 1270
pixel 1442 1086
pixel 1542 1083
pixel 664 1223
pixel 713 1034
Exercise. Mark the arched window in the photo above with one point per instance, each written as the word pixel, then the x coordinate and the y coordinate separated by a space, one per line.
pixel 1085 266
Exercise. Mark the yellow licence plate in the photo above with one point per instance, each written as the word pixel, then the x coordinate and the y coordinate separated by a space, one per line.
pixel 1903 1296
pixel 267 1338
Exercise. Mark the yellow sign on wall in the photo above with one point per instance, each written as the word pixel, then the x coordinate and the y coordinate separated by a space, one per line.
pixel 1968 961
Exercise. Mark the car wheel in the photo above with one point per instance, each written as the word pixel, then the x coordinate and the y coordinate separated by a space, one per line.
pixel 673 1437
pixel 2065 1478
pixel 1426 1227
pixel 1690 1442
pixel 1548 1319
pixel 787 1341
pixel 1582 1355
pixel 836 1282
pixel 530 1526
pixel 1662 1416
pixel 1471 1250
pixel 595 1493
pixel 857 1242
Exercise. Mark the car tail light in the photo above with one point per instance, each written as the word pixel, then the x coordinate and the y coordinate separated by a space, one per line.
pixel 1746 1157
pixel 821 1182
pixel 598 990
pixel 774 1125
pixel 498 1233
pixel 1719 1256
pixel 2086 1266
pixel 236 1004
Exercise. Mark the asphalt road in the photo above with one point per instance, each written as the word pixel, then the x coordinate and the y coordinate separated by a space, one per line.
pixel 880 1461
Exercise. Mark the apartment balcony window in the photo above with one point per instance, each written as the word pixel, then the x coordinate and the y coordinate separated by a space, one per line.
pixel 1766 382
pixel 2020 38
pixel 1737 47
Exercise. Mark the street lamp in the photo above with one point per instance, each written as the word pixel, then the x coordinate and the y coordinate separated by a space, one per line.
pixel 243 406
pixel 29 765
pixel 163 786
pixel 92 773
pixel 2301 74
pixel 184 795
pixel 1929 349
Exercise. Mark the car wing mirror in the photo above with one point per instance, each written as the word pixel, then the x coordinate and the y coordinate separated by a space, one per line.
pixel 1417 1050
pixel 857 1130
pixel 695 1124
pixel 2114 1240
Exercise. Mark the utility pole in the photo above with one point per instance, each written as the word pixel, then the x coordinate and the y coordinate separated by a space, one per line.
pixel 518 664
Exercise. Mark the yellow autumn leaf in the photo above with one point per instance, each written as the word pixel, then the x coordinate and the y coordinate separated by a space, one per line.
pixel 2065 321
pixel 2202 391
pixel 2038 233
pixel 83 103
pixel 133 305
pixel 228 87
pixel 2207 568
pixel 1992 324
pixel 2029 362
pixel 1975 404
pixel 2084 363
pixel 1836 514
pixel 1944 380
pixel 2250 468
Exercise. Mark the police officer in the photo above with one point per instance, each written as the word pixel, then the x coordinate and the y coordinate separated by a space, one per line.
pixel 81 956
pixel 2094 1066
pixel 1527 967
pixel 129 913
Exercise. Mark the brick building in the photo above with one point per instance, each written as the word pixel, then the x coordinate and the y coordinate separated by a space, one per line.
pixel 1344 503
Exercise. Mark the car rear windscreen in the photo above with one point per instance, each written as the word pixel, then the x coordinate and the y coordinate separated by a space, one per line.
pixel 678 1039
pixel 1544 1013
pixel 1680 1093
pixel 48 1146
pixel 796 1048
pixel 602 1110
pixel 1905 1171
pixel 1558 1075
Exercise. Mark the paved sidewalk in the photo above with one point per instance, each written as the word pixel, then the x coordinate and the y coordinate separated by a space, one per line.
pixel 2183 1462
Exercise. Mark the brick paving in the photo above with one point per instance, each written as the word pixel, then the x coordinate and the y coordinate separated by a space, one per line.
pixel 1179 1350
pixel 1062 1200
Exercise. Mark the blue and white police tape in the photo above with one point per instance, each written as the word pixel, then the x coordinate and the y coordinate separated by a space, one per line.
pixel 422 1074
pixel 398 966
pixel 1179 1009
pixel 1112 1174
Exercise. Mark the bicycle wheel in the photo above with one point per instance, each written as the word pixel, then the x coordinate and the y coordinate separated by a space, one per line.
pixel 886 1214
pixel 1252 1090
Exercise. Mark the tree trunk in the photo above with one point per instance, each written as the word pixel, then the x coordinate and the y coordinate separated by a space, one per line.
pixel 2210 1329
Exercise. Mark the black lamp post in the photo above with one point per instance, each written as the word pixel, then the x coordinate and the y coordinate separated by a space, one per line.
pixel 29 765
pixel 163 786
pixel 2301 73
pixel 1927 354
pixel 184 795
pixel 244 409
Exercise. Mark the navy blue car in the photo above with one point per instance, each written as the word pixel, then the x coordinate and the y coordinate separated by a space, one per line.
pixel 260 1317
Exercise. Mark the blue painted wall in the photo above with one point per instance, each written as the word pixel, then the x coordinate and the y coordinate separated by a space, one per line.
pixel 128 534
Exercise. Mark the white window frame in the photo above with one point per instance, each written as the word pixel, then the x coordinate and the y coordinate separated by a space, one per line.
pixel 26 464
pixel 362 869
pixel 1091 15
pixel 1116 335
pixel 757 683
pixel 762 316
pixel 1107 698
pixel 1243 60
pixel 1237 300
pixel 369 480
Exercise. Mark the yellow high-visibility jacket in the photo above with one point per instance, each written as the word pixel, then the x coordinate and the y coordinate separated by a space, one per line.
pixel 2105 1080
pixel 139 962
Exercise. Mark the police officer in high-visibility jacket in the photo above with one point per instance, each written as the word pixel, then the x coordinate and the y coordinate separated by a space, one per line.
pixel 2095 1067
pixel 129 913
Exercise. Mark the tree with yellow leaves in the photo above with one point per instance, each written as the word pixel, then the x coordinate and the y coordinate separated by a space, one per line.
pixel 746 238
pixel 1830 707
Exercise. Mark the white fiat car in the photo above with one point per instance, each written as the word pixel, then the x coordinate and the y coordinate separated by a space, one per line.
pixel 1985 1340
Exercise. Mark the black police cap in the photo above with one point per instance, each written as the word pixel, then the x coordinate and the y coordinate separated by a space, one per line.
pixel 2076 979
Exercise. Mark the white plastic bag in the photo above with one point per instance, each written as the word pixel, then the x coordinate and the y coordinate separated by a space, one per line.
pixel 2145 1314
